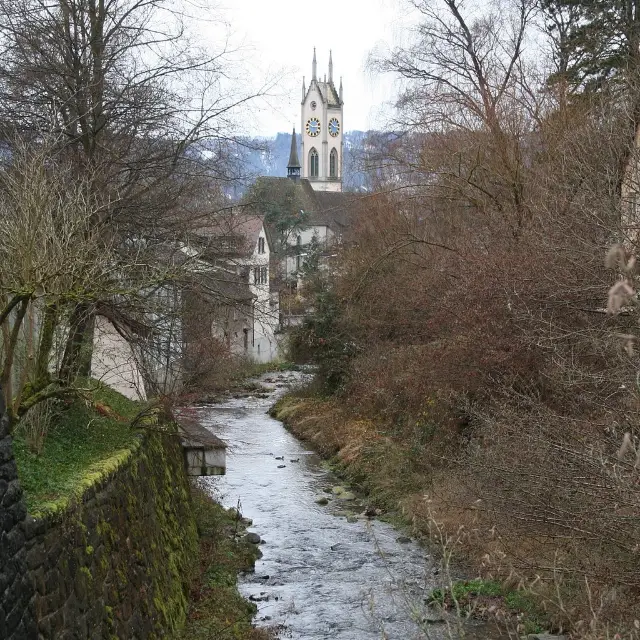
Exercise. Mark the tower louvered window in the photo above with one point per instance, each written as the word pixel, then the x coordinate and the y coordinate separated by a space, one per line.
pixel 333 164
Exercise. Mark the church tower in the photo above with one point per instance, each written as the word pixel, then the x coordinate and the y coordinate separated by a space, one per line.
pixel 322 129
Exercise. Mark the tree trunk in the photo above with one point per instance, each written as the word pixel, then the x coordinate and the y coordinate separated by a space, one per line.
pixel 79 347
pixel 49 323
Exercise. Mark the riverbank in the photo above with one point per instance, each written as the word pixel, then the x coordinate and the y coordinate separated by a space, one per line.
pixel 400 482
pixel 328 570
pixel 239 380
pixel 217 610
pixel 74 460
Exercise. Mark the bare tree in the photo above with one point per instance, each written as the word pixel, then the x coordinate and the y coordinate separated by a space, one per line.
pixel 467 82
pixel 52 255
pixel 133 104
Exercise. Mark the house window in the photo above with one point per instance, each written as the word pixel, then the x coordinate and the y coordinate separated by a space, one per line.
pixel 260 245
pixel 261 275
pixel 314 163
pixel 333 164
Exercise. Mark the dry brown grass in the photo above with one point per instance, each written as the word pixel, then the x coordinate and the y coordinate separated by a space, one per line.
pixel 499 505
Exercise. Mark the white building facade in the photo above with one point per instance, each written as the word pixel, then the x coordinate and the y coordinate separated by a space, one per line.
pixel 263 343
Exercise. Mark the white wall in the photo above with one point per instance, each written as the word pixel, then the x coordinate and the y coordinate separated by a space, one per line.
pixel 324 236
pixel 263 343
pixel 113 362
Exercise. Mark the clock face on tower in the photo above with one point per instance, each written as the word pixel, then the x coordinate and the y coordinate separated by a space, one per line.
pixel 313 127
pixel 334 127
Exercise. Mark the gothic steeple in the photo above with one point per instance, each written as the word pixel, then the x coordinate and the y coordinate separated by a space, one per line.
pixel 314 66
pixel 293 168
pixel 330 66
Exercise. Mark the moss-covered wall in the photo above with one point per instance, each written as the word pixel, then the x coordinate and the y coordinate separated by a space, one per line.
pixel 17 620
pixel 115 564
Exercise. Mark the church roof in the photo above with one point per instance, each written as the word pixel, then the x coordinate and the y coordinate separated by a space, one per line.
pixel 336 208
pixel 323 208
pixel 329 93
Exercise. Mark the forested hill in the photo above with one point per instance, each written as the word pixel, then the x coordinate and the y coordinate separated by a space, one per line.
pixel 269 157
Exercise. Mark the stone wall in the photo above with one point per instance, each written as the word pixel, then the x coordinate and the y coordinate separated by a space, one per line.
pixel 17 620
pixel 115 564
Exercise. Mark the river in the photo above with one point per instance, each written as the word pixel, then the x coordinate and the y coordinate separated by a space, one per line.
pixel 325 572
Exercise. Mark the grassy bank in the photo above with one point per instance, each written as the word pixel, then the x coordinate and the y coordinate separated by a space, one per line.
pixel 400 479
pixel 72 445
pixel 67 447
pixel 217 610
pixel 392 475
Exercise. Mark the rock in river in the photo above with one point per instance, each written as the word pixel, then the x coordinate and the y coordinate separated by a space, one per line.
pixel 322 501
pixel 253 538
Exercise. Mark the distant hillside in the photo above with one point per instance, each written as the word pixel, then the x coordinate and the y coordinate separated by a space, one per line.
pixel 269 157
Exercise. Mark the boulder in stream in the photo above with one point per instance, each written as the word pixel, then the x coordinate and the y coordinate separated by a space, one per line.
pixel 322 500
pixel 253 538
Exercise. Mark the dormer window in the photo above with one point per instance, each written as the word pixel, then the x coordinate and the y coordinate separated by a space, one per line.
pixel 261 245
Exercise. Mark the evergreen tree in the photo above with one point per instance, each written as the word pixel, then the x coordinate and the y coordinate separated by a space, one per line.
pixel 597 43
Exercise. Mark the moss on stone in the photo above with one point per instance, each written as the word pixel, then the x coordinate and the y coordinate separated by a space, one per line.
pixel 128 528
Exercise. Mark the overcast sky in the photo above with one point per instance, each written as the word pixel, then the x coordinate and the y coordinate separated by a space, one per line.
pixel 278 36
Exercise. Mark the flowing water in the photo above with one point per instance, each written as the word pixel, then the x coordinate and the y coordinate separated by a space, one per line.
pixel 324 573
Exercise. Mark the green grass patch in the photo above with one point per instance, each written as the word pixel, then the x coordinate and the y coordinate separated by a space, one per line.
pixel 477 597
pixel 82 444
pixel 217 610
